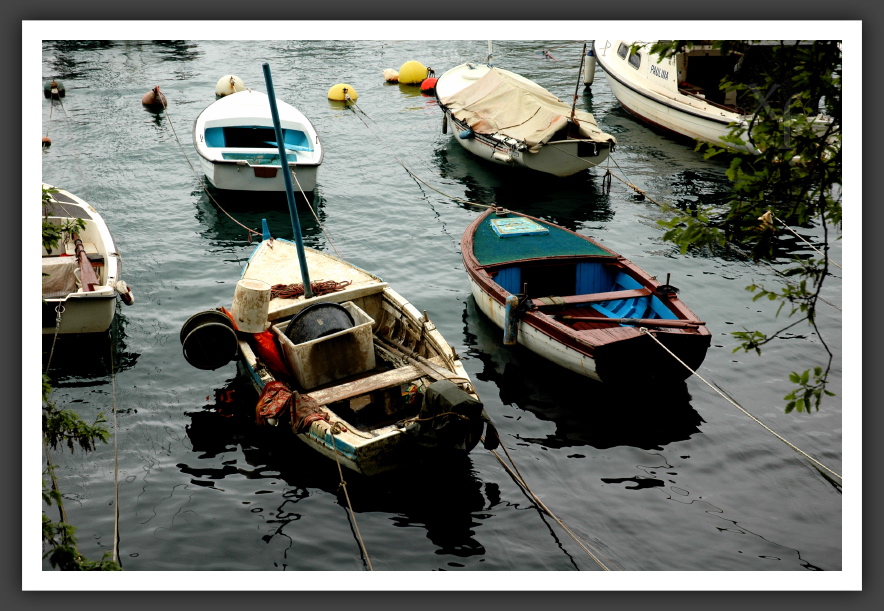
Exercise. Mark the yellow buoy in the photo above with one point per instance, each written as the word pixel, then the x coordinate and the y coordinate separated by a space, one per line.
pixel 228 84
pixel 412 73
pixel 342 92
pixel 391 76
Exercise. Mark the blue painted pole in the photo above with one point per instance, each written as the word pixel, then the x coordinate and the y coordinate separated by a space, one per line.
pixel 287 177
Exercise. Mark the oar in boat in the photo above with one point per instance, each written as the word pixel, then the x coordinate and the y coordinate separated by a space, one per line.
pixel 87 275
pixel 639 322
pixel 287 179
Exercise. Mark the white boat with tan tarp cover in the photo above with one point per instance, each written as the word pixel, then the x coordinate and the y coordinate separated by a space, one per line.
pixel 508 119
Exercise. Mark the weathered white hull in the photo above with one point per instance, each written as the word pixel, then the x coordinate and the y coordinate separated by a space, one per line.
pixel 686 118
pixel 242 177
pixel 653 92
pixel 85 312
pixel 534 340
pixel 559 158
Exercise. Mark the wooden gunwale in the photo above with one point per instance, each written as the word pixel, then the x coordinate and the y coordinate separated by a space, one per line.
pixel 582 337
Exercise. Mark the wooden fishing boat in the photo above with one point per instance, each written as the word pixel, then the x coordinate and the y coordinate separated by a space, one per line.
pixel 81 274
pixel 235 140
pixel 344 364
pixel 681 94
pixel 508 119
pixel 577 303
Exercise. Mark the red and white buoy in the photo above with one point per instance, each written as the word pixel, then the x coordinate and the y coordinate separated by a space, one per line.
pixel 125 292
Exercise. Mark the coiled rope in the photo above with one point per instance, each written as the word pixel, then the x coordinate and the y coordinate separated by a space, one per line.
pixel 645 331
pixel 320 287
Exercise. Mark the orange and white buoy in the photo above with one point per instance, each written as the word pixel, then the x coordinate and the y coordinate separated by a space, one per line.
pixel 391 76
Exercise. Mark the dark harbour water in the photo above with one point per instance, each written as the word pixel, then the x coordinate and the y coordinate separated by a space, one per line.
pixel 667 481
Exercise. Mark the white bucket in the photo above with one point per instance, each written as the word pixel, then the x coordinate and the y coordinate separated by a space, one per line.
pixel 251 302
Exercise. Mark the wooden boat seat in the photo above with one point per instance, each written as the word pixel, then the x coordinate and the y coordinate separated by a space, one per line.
pixel 568 300
pixel 372 383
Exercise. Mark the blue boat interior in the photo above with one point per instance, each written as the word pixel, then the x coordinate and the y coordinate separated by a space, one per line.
pixel 527 262
pixel 256 136
pixel 583 278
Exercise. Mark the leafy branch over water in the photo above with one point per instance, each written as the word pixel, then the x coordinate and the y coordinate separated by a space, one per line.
pixel 793 176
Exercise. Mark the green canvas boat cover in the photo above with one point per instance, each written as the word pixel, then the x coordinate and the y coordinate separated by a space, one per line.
pixel 491 249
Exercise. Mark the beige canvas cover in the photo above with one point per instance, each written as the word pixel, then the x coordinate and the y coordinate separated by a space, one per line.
pixel 499 103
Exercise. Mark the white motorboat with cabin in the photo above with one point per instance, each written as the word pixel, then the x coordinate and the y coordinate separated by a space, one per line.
pixel 81 274
pixel 508 119
pixel 681 94
pixel 235 140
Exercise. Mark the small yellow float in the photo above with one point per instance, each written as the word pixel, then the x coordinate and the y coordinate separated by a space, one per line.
pixel 342 92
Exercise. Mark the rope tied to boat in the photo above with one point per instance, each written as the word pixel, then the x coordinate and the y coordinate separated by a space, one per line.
pixel 319 287
pixel 335 428
pixel 516 476
pixel 645 331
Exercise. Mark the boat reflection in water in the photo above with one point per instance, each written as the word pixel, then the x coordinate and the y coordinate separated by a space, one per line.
pixel 74 359
pixel 447 499
pixel 585 412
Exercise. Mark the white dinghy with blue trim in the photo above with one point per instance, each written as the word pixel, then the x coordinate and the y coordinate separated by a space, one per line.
pixel 236 143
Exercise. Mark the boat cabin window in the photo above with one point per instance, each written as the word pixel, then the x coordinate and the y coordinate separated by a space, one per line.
pixel 623 50
pixel 635 60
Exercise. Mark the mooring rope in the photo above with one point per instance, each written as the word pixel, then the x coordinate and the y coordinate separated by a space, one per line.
pixel 792 231
pixel 353 106
pixel 116 554
pixel 520 481
pixel 729 244
pixel 316 216
pixel 645 331
pixel 59 310
pixel 199 178
pixel 336 428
